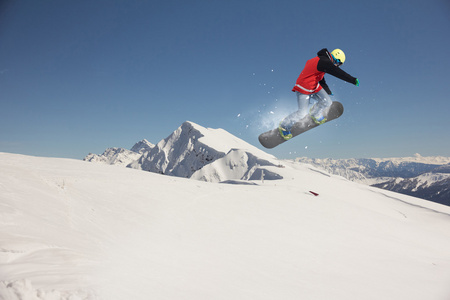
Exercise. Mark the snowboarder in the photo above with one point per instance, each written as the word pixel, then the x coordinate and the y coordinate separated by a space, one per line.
pixel 311 84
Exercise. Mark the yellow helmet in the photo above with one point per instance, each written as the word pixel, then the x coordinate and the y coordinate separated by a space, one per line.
pixel 338 55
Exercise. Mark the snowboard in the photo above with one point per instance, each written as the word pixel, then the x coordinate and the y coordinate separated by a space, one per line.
pixel 273 138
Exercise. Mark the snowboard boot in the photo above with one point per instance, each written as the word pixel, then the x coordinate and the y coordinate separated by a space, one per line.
pixel 285 133
pixel 319 120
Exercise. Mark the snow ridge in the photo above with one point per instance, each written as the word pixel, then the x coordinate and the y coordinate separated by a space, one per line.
pixel 236 165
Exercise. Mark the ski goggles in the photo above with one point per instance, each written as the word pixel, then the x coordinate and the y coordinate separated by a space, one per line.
pixel 337 61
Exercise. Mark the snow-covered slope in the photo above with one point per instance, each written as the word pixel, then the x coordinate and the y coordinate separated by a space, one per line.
pixel 76 230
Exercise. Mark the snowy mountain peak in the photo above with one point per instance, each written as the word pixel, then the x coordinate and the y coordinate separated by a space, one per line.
pixel 220 139
pixel 120 156
pixel 114 156
pixel 189 148
pixel 142 146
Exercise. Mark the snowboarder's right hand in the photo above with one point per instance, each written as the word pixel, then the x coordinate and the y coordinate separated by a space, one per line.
pixel 357 82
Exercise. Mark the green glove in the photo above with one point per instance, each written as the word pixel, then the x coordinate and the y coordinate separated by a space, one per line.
pixel 357 82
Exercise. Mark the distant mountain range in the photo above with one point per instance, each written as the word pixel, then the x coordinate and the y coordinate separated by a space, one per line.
pixel 423 177
pixel 214 155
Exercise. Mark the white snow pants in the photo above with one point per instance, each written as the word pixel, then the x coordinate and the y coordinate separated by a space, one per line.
pixel 321 101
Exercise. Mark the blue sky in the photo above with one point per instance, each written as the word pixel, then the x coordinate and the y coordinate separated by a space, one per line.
pixel 81 76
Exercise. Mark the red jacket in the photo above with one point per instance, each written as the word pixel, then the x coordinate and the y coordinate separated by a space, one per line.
pixel 308 81
pixel 311 79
